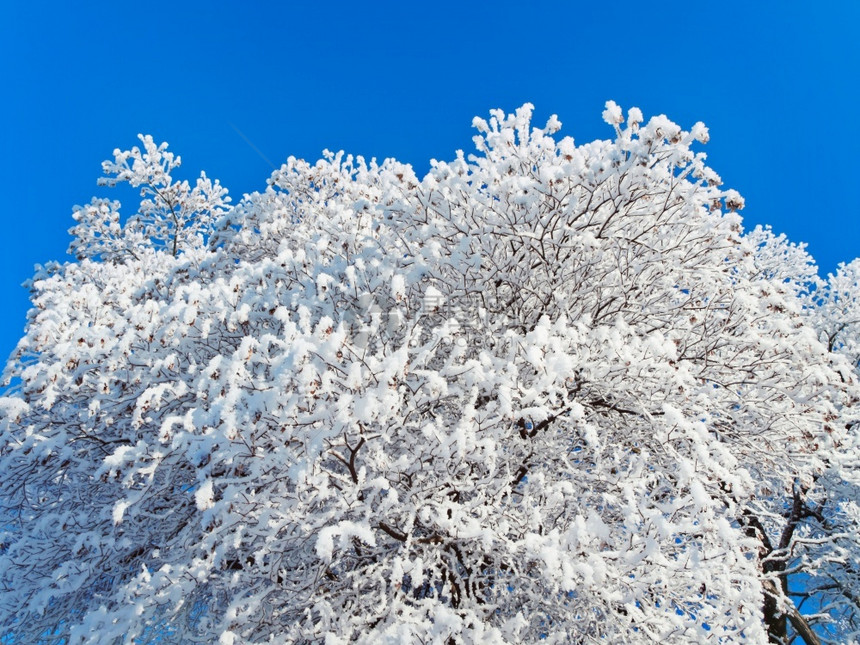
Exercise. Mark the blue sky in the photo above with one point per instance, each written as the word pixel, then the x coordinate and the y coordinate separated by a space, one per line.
pixel 777 83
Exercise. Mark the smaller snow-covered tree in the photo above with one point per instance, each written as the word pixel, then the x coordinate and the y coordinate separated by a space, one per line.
pixel 834 560
pixel 172 214
pixel 810 540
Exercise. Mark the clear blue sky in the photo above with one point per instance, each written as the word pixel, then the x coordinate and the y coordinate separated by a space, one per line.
pixel 778 84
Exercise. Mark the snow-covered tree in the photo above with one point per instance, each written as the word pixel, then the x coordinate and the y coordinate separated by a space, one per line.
pixel 548 391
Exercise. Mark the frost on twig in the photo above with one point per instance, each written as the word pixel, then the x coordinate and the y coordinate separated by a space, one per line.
pixel 173 216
